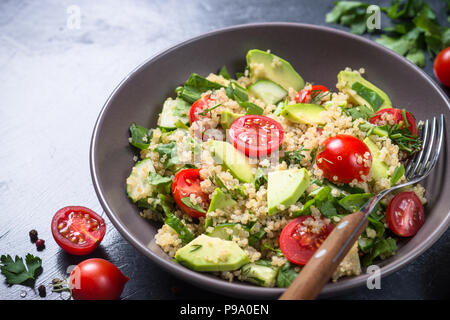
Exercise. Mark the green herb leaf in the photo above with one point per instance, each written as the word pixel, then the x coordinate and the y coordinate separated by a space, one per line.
pixel 16 272
pixel 168 150
pixel 286 275
pixel 260 178
pixel 252 108
pixel 381 248
pixel 293 157
pixel 398 173
pixel 140 136
pixel 187 201
pixel 359 112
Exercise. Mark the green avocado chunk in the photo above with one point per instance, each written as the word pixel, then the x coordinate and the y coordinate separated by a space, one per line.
pixel 227 118
pixel 379 169
pixel 260 274
pixel 284 187
pixel 362 92
pixel 207 254
pixel 274 68
pixel 233 160
pixel 219 200
pixel 303 113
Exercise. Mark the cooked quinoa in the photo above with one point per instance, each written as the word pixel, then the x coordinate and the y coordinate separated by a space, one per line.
pixel 191 149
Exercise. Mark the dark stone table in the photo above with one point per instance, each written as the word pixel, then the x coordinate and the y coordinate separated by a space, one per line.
pixel 54 79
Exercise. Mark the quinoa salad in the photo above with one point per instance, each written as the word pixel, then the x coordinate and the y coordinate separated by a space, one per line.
pixel 249 174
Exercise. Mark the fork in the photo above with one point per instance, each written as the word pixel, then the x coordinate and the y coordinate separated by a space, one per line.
pixel 317 272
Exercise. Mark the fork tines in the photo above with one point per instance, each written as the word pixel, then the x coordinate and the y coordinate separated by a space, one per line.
pixel 424 160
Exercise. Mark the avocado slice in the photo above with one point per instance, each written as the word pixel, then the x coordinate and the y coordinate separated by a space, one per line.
pixel 233 160
pixel 284 187
pixel 207 254
pixel 379 169
pixel 227 118
pixel 362 92
pixel 306 113
pixel 219 200
pixel 275 69
pixel 260 273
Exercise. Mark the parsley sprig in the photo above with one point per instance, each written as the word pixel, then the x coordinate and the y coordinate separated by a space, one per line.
pixel 18 272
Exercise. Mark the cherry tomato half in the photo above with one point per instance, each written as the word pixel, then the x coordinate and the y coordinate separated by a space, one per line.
pixel 441 67
pixel 298 243
pixel 343 158
pixel 96 279
pixel 256 135
pixel 397 117
pixel 78 230
pixel 185 183
pixel 306 95
pixel 199 106
pixel 405 214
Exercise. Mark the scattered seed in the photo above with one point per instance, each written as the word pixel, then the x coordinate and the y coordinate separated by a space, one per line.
pixel 33 236
pixel 40 244
pixel 42 291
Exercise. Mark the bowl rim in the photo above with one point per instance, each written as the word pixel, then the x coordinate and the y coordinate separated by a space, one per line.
pixel 214 283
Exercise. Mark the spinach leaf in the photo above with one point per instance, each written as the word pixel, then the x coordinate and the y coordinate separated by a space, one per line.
pixel 286 275
pixel 181 108
pixel 163 184
pixel 359 112
pixel 239 94
pixel 345 187
pixel 224 73
pixel 369 95
pixel 168 150
pixel 354 202
pixel 140 136
pixel 382 248
pixel 322 200
pixel 195 86
pixel 378 226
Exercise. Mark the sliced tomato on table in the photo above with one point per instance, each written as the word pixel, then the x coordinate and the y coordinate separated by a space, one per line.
pixel 405 214
pixel 306 95
pixel 297 241
pixel 185 183
pixel 398 116
pixel 343 158
pixel 256 135
pixel 78 230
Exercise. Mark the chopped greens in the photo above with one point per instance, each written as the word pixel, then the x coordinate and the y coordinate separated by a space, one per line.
pixel 168 152
pixel 293 157
pixel 398 173
pixel 260 178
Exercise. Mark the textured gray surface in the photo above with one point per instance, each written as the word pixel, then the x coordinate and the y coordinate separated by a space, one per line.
pixel 53 83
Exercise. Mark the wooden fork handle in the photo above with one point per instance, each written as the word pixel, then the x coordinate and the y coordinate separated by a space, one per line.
pixel 317 272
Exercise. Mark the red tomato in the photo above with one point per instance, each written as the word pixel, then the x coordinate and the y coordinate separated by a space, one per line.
pixel 341 158
pixel 185 183
pixel 256 135
pixel 78 230
pixel 405 214
pixel 199 106
pixel 397 115
pixel 96 279
pixel 441 67
pixel 305 96
pixel 298 243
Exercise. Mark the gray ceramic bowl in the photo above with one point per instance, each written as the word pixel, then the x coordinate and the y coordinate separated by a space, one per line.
pixel 318 54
